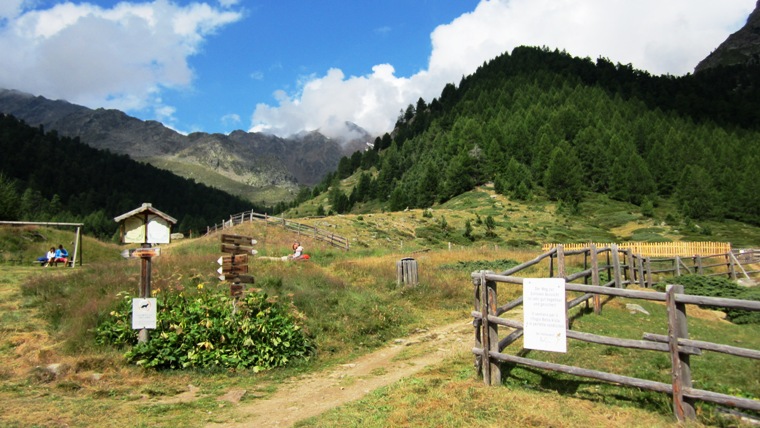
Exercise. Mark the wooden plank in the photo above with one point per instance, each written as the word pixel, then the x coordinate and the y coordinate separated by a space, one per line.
pixel 238 240
pixel 577 371
pixel 237 249
pixel 247 279
pixel 751 305
pixel 233 259
pixel 707 346
pixel 225 269
pixel 599 339
pixel 236 290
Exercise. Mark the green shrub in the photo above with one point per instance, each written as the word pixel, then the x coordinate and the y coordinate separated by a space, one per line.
pixel 210 329
pixel 697 285
pixel 473 266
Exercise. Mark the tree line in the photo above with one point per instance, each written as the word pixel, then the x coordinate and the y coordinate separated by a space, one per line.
pixel 541 121
pixel 47 177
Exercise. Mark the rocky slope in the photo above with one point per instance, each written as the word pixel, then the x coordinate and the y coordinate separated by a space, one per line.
pixel 740 48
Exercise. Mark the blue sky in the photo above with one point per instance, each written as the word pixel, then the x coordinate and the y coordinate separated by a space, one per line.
pixel 283 66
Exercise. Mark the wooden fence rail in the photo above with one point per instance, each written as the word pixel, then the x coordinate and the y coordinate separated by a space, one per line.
pixel 488 316
pixel 300 228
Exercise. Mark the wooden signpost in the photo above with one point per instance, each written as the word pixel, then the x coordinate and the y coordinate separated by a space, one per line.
pixel 145 254
pixel 234 267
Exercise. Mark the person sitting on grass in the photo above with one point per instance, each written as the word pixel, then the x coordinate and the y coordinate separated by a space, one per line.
pixel 297 251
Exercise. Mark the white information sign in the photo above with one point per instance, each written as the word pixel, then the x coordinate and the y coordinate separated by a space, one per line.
pixel 144 313
pixel 545 314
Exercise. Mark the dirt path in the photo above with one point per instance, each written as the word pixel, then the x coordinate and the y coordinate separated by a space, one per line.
pixel 316 393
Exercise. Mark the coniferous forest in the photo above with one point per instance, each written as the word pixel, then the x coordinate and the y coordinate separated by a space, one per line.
pixel 541 121
pixel 45 177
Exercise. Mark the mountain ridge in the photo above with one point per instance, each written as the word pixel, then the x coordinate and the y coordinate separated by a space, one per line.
pixel 740 48
pixel 256 160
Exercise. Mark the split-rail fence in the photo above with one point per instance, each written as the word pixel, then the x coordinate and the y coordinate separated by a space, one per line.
pixel 489 314
pixel 301 229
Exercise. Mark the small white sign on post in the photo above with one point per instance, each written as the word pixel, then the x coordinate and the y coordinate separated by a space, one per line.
pixel 144 313
pixel 545 314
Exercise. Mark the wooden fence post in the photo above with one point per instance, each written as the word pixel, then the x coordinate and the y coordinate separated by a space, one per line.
pixel 551 266
pixel 649 272
pixel 609 272
pixel 681 370
pixel 678 266
pixel 629 268
pixel 490 331
pixel 731 267
pixel 560 261
pixel 595 279
pixel 616 265
pixel 478 324
pixel 642 280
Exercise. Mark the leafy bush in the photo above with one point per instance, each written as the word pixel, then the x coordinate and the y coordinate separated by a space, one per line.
pixel 719 287
pixel 210 329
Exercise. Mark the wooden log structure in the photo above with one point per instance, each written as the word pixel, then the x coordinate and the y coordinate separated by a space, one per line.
pixel 636 269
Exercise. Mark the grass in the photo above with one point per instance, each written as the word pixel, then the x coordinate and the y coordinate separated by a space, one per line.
pixel 351 305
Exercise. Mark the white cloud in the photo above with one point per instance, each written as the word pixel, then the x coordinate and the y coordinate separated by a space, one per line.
pixel 231 119
pixel 660 37
pixel 117 58
pixel 9 9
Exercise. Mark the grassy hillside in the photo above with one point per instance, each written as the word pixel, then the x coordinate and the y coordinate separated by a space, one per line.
pixel 520 224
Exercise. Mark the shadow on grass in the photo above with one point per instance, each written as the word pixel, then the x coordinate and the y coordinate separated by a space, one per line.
pixel 581 388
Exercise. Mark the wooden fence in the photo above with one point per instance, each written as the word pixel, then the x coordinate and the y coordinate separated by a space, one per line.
pixel 657 249
pixel 489 314
pixel 645 271
pixel 300 229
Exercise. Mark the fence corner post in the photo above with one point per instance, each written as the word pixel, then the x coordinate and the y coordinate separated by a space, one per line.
pixel 477 323
pixel 489 331
pixel 681 369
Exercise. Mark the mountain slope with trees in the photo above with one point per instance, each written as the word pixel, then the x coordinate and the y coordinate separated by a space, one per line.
pixel 45 177
pixel 543 122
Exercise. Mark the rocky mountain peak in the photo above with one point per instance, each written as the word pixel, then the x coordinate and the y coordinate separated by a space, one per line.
pixel 741 47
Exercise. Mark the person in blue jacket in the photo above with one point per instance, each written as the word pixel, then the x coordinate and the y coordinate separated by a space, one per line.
pixel 61 256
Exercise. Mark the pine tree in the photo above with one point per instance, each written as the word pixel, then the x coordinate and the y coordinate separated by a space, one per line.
pixel 562 179
pixel 9 199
